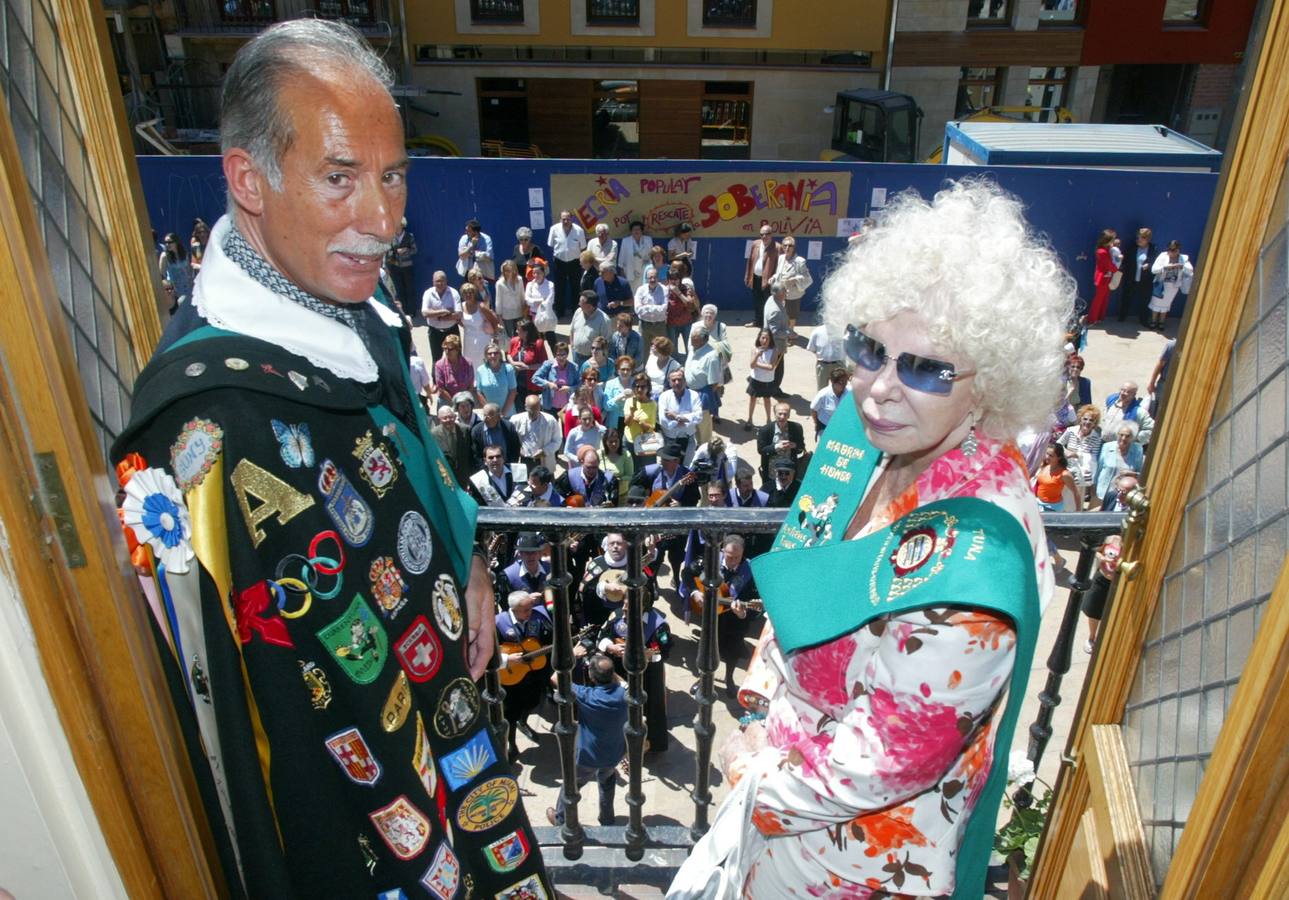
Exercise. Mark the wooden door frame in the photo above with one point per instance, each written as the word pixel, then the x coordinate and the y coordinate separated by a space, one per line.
pixel 1228 268
pixel 87 615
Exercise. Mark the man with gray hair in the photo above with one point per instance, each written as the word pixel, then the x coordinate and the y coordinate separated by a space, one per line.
pixel 703 375
pixel 325 617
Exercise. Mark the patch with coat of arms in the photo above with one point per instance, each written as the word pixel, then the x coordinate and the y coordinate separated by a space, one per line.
pixel 444 874
pixel 388 587
pixel 376 465
pixel 350 750
pixel 403 828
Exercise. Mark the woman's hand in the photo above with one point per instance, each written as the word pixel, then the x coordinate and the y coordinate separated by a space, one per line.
pixel 741 743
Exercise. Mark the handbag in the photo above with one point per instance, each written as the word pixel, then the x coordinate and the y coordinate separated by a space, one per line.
pixel 718 865
pixel 1158 289
pixel 648 444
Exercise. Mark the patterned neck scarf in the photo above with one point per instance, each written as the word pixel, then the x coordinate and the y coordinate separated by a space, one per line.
pixel 239 250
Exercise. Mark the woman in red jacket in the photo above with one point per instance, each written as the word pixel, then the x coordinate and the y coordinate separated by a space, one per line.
pixel 1101 278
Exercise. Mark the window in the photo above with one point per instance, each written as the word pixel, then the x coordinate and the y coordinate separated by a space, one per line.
pixel 727 120
pixel 1046 88
pixel 729 13
pixel 503 110
pixel 613 12
pixel 238 12
pixel 1186 12
pixel 977 89
pixel 615 120
pixel 1060 12
pixel 989 12
pixel 497 12
pixel 355 12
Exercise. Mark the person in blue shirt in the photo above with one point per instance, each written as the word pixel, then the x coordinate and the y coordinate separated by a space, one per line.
pixel 601 741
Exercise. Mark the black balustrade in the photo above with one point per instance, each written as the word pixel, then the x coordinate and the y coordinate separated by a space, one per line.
pixel 560 525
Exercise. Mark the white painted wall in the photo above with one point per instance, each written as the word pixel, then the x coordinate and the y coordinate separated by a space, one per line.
pixel 51 847
pixel 788 118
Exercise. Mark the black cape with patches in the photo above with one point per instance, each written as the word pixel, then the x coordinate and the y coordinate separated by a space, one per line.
pixel 328 671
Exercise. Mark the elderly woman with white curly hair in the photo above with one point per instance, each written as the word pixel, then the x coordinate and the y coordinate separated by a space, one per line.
pixel 905 588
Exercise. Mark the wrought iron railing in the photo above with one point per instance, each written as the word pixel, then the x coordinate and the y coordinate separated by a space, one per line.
pixel 714 523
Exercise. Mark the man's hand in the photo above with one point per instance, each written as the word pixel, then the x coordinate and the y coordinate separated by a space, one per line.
pixel 579 651
pixel 481 613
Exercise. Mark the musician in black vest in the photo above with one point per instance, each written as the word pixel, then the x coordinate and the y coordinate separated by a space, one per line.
pixel 745 495
pixel 588 481
pixel 528 572
pixel 669 475
pixel 736 586
pixel 611 640
pixel 494 483
pixel 525 627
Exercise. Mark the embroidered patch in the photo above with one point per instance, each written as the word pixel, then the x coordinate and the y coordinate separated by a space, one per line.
pixel 249 607
pixel 457 709
pixel 350 750
pixel 444 874
pixel 275 495
pixel 447 607
pixel 531 888
pixel 295 443
pixel 375 464
pixel 487 805
pixel 316 681
pixel 347 509
pixel 462 766
pixel 415 546
pixel 448 480
pixel 419 650
pixel 387 586
pixel 423 759
pixel 297 379
pixel 195 451
pixel 397 705
pixel 392 894
pixel 816 519
pixel 357 642
pixel 403 828
pixel 916 547
pixel 507 854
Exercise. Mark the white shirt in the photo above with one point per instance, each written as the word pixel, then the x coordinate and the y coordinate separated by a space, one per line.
pixel 687 408
pixel 633 256
pixel 825 403
pixel 566 246
pixel 540 299
pixel 606 251
pixel 510 301
pixel 651 305
pixel 824 349
pixel 537 437
pixel 474 339
pixel 449 300
pixel 676 246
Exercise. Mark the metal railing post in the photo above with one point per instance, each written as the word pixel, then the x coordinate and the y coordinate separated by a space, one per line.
pixel 704 729
pixel 557 586
pixel 633 660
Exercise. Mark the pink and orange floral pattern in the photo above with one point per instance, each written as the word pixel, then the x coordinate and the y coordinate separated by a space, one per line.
pixel 878 743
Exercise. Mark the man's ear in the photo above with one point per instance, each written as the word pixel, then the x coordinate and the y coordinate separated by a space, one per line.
pixel 246 183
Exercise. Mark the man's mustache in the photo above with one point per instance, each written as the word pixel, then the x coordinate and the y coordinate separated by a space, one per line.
pixel 360 246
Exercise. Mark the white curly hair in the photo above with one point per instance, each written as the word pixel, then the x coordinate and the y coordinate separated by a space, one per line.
pixel 989 289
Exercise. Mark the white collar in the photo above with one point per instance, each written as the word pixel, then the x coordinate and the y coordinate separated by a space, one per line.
pixel 227 297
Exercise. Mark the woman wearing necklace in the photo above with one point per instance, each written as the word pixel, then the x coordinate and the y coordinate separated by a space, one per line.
pixel 905 588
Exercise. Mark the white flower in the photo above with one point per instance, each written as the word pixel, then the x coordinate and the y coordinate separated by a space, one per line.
pixel 1019 769
pixel 154 509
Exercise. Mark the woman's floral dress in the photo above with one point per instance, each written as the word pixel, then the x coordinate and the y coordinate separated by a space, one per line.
pixel 880 742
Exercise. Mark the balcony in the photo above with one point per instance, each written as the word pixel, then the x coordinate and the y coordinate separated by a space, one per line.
pixel 245 18
pixel 640 854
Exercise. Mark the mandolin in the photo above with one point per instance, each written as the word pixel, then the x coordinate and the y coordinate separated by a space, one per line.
pixel 532 658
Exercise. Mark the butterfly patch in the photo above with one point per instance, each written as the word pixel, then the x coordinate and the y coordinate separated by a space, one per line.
pixel 295 444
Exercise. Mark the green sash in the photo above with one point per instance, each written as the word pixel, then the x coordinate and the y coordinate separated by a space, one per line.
pixel 960 551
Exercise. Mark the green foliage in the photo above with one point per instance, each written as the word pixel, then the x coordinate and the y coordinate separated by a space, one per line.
pixel 1023 829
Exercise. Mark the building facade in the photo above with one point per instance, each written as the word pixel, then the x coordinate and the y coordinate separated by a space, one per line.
pixel 696 79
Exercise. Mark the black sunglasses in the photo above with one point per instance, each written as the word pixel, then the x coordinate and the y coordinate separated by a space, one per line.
pixel 921 373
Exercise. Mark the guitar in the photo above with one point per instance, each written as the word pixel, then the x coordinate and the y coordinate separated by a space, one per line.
pixel 723 599
pixel 662 498
pixel 532 657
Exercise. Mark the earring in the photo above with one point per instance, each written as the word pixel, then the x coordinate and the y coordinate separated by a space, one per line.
pixel 969 444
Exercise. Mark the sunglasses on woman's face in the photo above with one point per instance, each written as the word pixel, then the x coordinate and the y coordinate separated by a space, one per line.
pixel 921 373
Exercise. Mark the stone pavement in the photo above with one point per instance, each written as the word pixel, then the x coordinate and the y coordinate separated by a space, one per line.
pixel 1116 352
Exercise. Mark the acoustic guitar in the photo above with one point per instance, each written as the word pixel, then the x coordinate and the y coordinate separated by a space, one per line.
pixel 662 498
pixel 532 657
pixel 723 599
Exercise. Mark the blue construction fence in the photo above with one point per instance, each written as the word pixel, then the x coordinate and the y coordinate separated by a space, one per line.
pixel 1071 206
